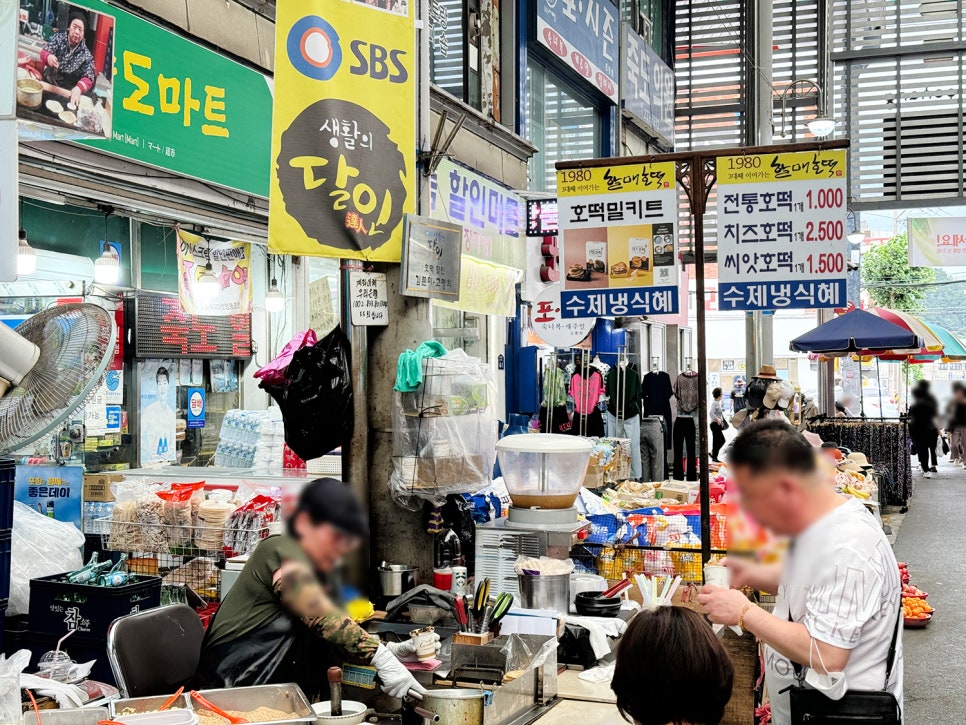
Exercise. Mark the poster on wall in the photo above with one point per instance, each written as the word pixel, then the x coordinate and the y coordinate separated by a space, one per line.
pixel 230 262
pixel 109 79
pixel 343 129
pixel 618 240
pixel 53 491
pixel 156 414
pixel 937 241
pixel 584 36
pixel 782 230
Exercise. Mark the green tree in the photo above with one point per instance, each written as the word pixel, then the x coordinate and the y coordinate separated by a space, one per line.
pixel 945 303
pixel 890 281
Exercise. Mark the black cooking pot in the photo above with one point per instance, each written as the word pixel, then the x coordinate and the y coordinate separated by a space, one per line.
pixel 588 605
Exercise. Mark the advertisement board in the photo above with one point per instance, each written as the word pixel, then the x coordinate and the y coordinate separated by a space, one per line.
pixel 111 80
pixel 782 230
pixel 647 86
pixel 937 241
pixel 343 130
pixel 618 240
pixel 584 35
pixel 432 259
pixel 231 263
pixel 53 491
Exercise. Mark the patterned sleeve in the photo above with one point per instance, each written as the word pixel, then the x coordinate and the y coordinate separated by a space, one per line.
pixel 301 594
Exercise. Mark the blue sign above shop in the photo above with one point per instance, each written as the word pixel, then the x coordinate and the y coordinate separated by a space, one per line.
pixel 648 89
pixel 584 35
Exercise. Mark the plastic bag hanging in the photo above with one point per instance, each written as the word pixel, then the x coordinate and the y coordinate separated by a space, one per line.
pixel 316 397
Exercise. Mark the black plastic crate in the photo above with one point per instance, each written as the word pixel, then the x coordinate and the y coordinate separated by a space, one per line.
pixel 8 473
pixel 56 607
pixel 80 648
pixel 5 559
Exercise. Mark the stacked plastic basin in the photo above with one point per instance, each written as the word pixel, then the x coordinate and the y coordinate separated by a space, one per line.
pixel 8 472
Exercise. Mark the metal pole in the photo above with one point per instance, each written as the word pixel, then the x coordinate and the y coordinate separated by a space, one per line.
pixel 764 35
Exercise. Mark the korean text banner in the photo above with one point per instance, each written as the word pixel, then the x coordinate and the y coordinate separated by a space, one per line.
pixel 231 263
pixel 937 241
pixel 782 230
pixel 491 214
pixel 149 95
pixel 343 131
pixel 584 35
pixel 618 242
pixel 647 86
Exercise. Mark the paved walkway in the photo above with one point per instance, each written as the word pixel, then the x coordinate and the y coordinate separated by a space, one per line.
pixel 932 541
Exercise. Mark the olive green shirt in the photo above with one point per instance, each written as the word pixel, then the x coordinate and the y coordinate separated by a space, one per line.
pixel 252 602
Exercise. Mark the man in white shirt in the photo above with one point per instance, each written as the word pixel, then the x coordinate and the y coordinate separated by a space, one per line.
pixel 838 588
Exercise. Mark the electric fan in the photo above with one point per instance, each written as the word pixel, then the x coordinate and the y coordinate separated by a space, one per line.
pixel 48 367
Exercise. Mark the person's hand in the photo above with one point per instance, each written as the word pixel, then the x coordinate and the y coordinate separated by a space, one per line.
pixel 395 678
pixel 406 651
pixel 52 61
pixel 75 94
pixel 723 606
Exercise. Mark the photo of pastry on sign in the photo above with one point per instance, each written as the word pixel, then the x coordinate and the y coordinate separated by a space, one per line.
pixel 637 255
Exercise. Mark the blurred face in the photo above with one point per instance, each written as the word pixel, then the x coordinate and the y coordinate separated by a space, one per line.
pixel 75 31
pixel 162 387
pixel 325 545
pixel 773 498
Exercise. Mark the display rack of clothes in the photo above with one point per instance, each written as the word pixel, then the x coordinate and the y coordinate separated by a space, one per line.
pixel 885 442
pixel 623 388
pixel 685 432
pixel 586 389
pixel 657 390
pixel 554 416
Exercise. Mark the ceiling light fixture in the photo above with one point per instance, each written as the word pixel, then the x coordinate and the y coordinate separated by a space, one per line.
pixel 107 268
pixel 822 125
pixel 274 299
pixel 26 256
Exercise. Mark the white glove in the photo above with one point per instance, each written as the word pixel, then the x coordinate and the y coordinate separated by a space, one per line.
pixel 406 651
pixel 395 678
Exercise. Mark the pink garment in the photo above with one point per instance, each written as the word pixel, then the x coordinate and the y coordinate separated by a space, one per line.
pixel 586 393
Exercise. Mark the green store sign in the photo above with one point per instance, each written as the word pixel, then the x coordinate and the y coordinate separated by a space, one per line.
pixel 181 107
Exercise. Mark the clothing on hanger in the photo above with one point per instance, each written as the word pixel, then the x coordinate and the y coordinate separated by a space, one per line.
pixel 590 425
pixel 554 391
pixel 658 391
pixel 586 391
pixel 686 391
pixel 627 384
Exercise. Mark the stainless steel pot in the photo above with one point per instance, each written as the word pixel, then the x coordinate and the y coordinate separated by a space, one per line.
pixel 396 579
pixel 455 707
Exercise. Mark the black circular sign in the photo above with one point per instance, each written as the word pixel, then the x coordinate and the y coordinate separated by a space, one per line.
pixel 341 176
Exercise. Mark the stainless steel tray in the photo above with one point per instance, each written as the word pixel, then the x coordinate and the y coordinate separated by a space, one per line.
pixel 83 716
pixel 140 705
pixel 287 698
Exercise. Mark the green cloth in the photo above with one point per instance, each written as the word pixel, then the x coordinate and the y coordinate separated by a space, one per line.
pixel 251 603
pixel 554 390
pixel 409 369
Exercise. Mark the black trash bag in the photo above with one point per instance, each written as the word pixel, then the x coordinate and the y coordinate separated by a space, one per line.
pixel 316 397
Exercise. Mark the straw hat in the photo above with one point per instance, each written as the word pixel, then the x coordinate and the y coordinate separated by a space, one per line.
pixel 860 459
pixel 852 466
pixel 767 372
pixel 772 395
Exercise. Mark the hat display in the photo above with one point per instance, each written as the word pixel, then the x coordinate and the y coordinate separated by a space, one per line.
pixel 813 438
pixel 772 395
pixel 860 459
pixel 767 372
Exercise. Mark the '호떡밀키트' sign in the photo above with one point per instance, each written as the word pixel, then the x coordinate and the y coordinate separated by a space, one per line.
pixel 617 240
pixel 343 129
pixel 782 230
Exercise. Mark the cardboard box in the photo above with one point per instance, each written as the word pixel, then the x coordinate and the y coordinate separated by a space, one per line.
pixel 680 491
pixel 594 478
pixel 97 486
pixel 446 472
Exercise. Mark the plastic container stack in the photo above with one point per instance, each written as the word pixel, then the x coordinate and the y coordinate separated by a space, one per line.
pixel 252 439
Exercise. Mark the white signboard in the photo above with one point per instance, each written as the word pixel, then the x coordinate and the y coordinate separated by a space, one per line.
pixel 782 230
pixel 937 241
pixel 368 298
pixel 551 327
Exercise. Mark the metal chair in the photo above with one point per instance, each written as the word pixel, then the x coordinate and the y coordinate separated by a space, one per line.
pixel 156 651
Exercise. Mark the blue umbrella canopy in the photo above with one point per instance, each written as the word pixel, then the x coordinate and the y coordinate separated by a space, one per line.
pixel 856 331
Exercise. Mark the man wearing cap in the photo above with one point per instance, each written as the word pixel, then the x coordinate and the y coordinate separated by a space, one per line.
pixel 277 623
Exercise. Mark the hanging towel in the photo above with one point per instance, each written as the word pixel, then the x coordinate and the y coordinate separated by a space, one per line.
pixel 409 369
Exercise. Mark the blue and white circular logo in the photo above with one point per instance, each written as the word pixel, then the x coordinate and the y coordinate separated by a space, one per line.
pixel 313 48
pixel 112 379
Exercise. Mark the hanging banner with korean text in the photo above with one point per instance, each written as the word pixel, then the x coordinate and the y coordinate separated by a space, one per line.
pixel 782 230
pixel 647 86
pixel 618 240
pixel 937 241
pixel 231 263
pixel 486 288
pixel 432 257
pixel 343 129
pixel 583 34
pixel 489 212
pixel 116 82
pixel 553 329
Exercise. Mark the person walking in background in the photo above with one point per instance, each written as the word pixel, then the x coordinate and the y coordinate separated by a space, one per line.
pixel 923 414
pixel 738 394
pixel 718 424
pixel 956 426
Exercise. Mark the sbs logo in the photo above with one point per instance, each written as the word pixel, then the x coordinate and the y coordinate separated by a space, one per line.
pixel 313 48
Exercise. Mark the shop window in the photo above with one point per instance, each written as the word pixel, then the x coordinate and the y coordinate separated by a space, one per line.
pixel 455 52
pixel 560 123
pixel 159 258
pixel 324 294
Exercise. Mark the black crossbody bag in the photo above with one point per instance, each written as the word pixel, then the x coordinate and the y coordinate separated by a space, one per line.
pixel 873 707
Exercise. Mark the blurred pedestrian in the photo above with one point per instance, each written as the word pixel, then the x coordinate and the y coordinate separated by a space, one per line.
pixel 923 414
pixel 838 608
pixel 956 426
pixel 718 423
pixel 671 668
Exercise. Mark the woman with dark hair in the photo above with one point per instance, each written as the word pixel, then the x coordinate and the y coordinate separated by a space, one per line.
pixel 718 423
pixel 672 670
pixel 923 430
pixel 68 61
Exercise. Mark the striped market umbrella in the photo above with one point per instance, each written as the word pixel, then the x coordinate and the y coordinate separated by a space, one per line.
pixel 930 341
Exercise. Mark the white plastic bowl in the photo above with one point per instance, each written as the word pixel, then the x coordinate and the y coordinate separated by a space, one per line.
pixel 353 713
